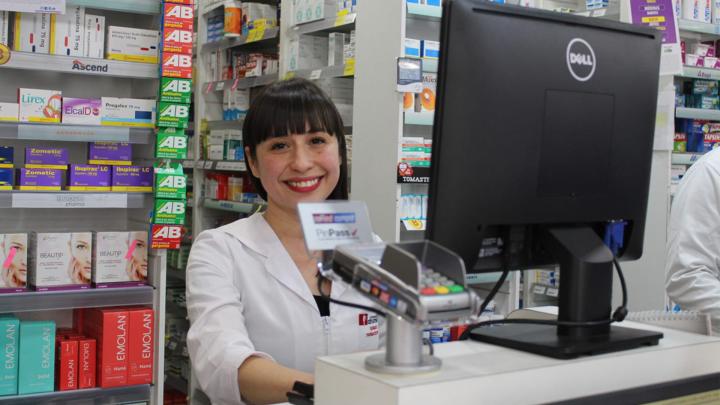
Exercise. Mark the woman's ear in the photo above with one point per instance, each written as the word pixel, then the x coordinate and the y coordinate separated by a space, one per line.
pixel 251 162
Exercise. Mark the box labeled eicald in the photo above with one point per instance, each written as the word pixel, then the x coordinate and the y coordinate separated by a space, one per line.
pixel 82 111
pixel 14 256
pixel 61 260
pixel 121 259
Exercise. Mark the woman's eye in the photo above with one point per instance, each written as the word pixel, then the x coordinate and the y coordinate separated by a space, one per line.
pixel 318 140
pixel 277 146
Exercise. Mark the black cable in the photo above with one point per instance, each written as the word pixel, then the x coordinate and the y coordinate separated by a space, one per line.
pixel 320 278
pixel 430 346
pixel 494 291
pixel 620 313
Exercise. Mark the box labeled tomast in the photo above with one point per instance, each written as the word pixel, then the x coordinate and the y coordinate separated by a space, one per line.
pixel 173 115
pixel 175 90
pixel 177 41
pixel 172 143
pixel 171 186
pixel 178 16
pixel 169 212
pixel 176 65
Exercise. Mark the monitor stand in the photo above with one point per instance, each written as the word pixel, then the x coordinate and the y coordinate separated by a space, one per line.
pixel 586 269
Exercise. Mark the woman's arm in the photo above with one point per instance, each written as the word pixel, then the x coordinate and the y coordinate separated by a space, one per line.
pixel 263 381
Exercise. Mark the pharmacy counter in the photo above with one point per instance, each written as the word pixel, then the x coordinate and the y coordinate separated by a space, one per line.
pixel 478 373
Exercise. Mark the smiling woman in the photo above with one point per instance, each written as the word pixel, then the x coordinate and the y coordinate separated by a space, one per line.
pixel 257 319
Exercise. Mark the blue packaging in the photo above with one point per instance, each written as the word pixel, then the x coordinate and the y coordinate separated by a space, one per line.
pixel 6 156
pixel 7 179
pixel 37 357
pixel 695 135
pixel 9 343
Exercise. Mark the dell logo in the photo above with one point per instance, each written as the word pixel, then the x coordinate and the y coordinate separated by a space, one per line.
pixel 580 59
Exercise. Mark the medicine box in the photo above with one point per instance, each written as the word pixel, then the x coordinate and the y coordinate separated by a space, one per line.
pixel 110 153
pixel 7 179
pixel 9 343
pixel 336 44
pixel 171 144
pixel 14 256
pixel 178 16
pixel 81 111
pixel 430 49
pixel 5 28
pixel 132 44
pixel 46 158
pixel 131 112
pixel 174 90
pixel 141 346
pixel 38 105
pixel 9 112
pixel 109 328
pixel 61 260
pixel 7 157
pixel 36 372
pixel 412 47
pixel 87 363
pixel 67 364
pixel 89 178
pixel 67 32
pixel 173 115
pixel 176 65
pixel 132 179
pixel 94 36
pixel 170 212
pixel 120 259
pixel 176 40
pixel 32 32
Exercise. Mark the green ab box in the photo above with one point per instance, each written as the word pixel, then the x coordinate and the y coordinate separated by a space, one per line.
pixel 172 186
pixel 169 212
pixel 171 115
pixel 174 90
pixel 172 143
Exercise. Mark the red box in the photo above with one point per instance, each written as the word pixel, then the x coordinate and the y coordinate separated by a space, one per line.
pixel 109 327
pixel 86 360
pixel 67 365
pixel 178 16
pixel 141 347
pixel 177 65
pixel 78 319
pixel 177 41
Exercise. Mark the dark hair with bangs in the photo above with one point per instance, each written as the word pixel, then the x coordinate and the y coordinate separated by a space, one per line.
pixel 292 107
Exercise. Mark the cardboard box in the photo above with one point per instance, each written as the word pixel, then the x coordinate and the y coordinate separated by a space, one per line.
pixel 9 112
pixel 336 44
pixel 171 144
pixel 109 328
pixel 121 259
pixel 38 105
pixel 177 16
pixel 110 153
pixel 9 342
pixel 87 361
pixel 61 261
pixel 94 36
pixel 430 49
pixel 81 111
pixel 40 179
pixel 132 179
pixel 31 32
pixel 175 90
pixel 5 28
pixel 67 32
pixel 412 47
pixel 7 157
pixel 14 256
pixel 176 65
pixel 132 44
pixel 37 357
pixel 89 178
pixel 67 365
pixel 46 158
pixel 7 179
pixel 171 186
pixel 427 96
pixel 172 115
pixel 170 212
pixel 141 346
pixel 132 112
pixel 177 41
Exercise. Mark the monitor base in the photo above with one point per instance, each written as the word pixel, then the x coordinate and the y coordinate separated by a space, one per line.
pixel 544 340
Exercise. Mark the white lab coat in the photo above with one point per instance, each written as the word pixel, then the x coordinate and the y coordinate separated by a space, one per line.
pixel 693 254
pixel 245 296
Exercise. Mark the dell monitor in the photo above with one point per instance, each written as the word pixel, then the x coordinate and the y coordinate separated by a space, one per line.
pixel 542 144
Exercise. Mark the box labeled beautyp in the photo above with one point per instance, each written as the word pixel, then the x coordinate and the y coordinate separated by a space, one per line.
pixel 87 361
pixel 7 157
pixel 172 143
pixel 40 179
pixel 67 32
pixel 46 158
pixel 110 153
pixel 132 44
pixel 121 259
pixel 109 328
pixel 32 32
pixel 9 343
pixel 7 179
pixel 89 178
pixel 176 65
pixel 14 256
pixel 37 357
pixel 9 112
pixel 169 212
pixel 61 261
pixel 173 115
pixel 38 105
pixel 175 90
pixel 177 16
pixel 67 364
pixel 81 111
pixel 94 36
pixel 131 112
pixel 132 179
pixel 141 350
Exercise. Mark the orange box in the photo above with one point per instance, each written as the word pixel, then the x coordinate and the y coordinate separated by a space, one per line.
pixel 179 16
pixel 177 65
pixel 67 365
pixel 177 41
pixel 141 346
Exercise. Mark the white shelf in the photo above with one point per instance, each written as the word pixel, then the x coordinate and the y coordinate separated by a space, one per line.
pixel 89 298
pixel 701 73
pixel 423 118
pixel 697 113
pixel 132 394
pixel 685 158
pixel 239 83
pixel 344 23
pixel 698 27
pixel 421 11
pixel 232 206
pixel 270 33
pixel 128 6
pixel 226 165
pixel 65 64
pixel 226 124
pixel 74 133
pixel 71 199
pixel 326 72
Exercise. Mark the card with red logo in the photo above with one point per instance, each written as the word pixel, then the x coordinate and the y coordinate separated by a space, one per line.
pixel 177 65
pixel 178 16
pixel 177 41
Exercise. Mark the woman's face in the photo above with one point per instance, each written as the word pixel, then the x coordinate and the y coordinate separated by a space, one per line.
pixel 297 168
pixel 17 267
pixel 81 252
pixel 138 258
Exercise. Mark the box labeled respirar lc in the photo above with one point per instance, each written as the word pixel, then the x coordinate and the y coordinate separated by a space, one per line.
pixel 132 179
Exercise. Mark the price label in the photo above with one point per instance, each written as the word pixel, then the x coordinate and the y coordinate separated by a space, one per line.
pixel 289 75
pixel 552 292
pixel 315 74
pixel 219 86
pixel 208 165
pixel 349 69
pixel 69 200
pixel 231 166
pixel 539 289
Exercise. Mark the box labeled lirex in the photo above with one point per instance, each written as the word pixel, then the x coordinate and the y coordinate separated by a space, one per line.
pixel 87 361
pixel 169 212
pixel 175 90
pixel 132 179
pixel 37 105
pixel 120 259
pixel 9 343
pixel 176 65
pixel 37 357
pixel 109 328
pixel 141 350
pixel 172 143
pixel 173 115
pixel 67 364
pixel 132 44
pixel 46 158
pixel 171 186
pixel 110 153
pixel 40 179
pixel 89 178
pixel 178 16
pixel 177 41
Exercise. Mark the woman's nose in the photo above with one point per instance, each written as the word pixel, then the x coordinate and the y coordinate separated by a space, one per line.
pixel 301 159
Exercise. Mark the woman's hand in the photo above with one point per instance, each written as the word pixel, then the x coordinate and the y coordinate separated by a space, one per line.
pixel 263 381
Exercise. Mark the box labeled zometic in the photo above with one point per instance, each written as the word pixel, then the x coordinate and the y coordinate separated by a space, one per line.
pixel 67 32
pixel 89 178
pixel 169 212
pixel 177 65
pixel 82 111
pixel 46 158
pixel 37 357
pixel 40 179
pixel 178 16
pixel 175 90
pixel 120 259
pixel 38 105
pixel 67 364
pixel 87 361
pixel 132 179
pixel 173 115
pixel 109 328
pixel 132 44
pixel 177 41
pixel 141 350
pixel 172 143
pixel 32 32
pixel 9 342
pixel 110 153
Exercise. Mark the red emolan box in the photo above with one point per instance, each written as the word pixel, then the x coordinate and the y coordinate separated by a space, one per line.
pixel 176 65
pixel 177 41
pixel 179 16
pixel 67 365
pixel 109 327
pixel 86 363
pixel 141 347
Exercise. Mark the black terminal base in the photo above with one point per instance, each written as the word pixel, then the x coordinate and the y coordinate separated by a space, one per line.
pixel 544 340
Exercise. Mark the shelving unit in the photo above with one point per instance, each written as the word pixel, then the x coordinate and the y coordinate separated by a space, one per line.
pixel 151 7
pixel 250 39
pixel 81 66
pixel 121 395
pixel 73 200
pixel 231 206
pixel 74 133
pixel 697 113
pixel 341 23
pixel 240 84
pixel 89 298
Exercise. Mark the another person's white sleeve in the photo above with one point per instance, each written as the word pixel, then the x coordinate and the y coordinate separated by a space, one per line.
pixel 693 254
pixel 218 341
